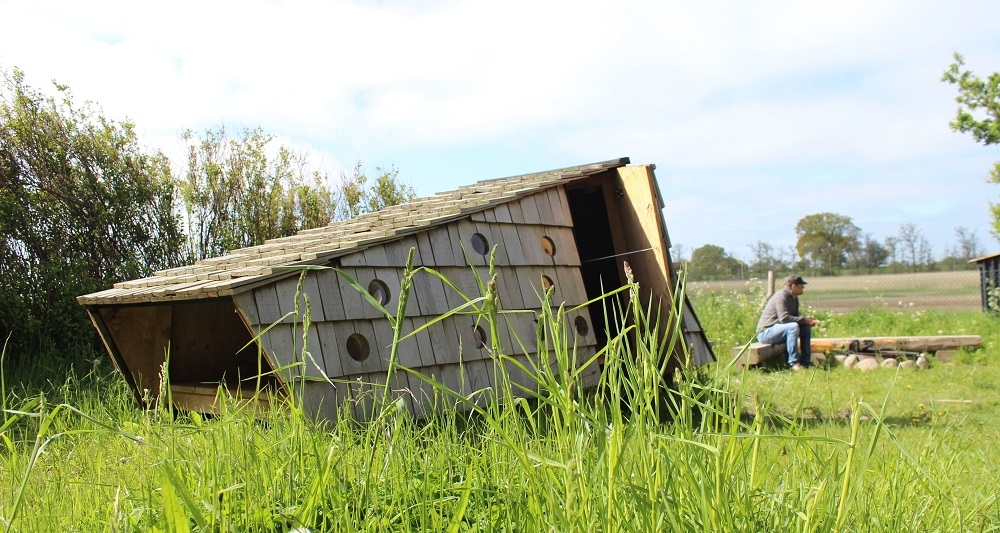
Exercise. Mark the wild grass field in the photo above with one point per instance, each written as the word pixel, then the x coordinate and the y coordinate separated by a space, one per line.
pixel 756 450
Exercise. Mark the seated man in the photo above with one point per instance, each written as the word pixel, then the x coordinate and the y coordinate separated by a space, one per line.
pixel 780 323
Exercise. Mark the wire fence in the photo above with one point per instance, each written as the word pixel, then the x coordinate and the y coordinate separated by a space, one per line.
pixel 953 291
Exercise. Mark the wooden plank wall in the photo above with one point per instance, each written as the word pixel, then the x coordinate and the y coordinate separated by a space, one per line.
pixel 522 230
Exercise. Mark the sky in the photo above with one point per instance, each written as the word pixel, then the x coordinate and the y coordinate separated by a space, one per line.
pixel 755 114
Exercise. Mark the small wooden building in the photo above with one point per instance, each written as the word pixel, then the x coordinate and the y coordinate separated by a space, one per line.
pixel 569 229
pixel 989 278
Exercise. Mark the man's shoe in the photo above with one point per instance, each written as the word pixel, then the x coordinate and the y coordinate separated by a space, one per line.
pixel 796 367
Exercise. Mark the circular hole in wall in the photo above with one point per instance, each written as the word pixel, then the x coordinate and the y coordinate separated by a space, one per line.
pixel 477 336
pixel 547 283
pixel 548 246
pixel 380 291
pixel 480 244
pixel 357 347
pixel 582 328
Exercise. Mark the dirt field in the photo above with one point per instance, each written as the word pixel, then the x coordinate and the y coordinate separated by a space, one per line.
pixel 939 290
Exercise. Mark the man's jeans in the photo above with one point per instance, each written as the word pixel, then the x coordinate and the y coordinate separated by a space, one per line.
pixel 791 334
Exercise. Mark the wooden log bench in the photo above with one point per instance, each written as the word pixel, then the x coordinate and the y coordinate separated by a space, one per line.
pixel 759 352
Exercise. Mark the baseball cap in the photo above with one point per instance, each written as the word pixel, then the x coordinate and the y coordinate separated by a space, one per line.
pixel 794 279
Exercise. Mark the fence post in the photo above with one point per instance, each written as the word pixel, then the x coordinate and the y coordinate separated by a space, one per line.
pixel 770 284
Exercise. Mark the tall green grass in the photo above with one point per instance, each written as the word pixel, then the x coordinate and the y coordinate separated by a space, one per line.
pixel 713 453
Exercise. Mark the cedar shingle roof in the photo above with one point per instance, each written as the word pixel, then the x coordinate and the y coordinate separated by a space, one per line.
pixel 245 268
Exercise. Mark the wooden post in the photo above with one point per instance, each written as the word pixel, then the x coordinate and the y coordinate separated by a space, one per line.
pixel 770 283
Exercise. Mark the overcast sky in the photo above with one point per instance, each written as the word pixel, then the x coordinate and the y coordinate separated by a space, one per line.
pixel 755 113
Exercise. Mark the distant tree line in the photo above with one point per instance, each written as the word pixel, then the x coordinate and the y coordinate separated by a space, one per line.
pixel 828 244
pixel 84 205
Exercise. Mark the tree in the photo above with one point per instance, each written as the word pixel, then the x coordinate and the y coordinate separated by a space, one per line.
pixel 765 258
pixel 237 193
pixel 978 114
pixel 968 243
pixel 826 239
pixel 82 205
pixel 357 196
pixel 712 262
pixel 869 256
pixel 913 244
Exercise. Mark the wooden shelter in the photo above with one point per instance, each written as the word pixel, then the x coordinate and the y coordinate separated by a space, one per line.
pixel 569 229
pixel 989 278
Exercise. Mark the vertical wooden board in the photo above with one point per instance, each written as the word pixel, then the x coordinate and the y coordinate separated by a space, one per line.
pixel 376 256
pixel 312 356
pixel 383 339
pixel 321 401
pixel 141 335
pixel 431 296
pixel 473 381
pixel 502 213
pixel 545 215
pixel 342 331
pixel 353 260
pixel 425 250
pixel 281 339
pixel 531 245
pixel 512 244
pixel 333 349
pixel 507 343
pixel 516 215
pixel 460 248
pixel 328 281
pixel 310 289
pixel 409 348
pixel 444 342
pixel 425 350
pixel 522 327
pixel 566 217
pixel 392 278
pixel 491 216
pixel 378 342
pixel 465 230
pixel 558 296
pixel 495 237
pixel 399 250
pixel 286 292
pixel 247 304
pixel 478 216
pixel 267 304
pixel 529 210
pixel 591 375
pixel 565 245
pixel 573 288
pixel 507 289
pixel 531 291
pixel 441 246
pixel 357 306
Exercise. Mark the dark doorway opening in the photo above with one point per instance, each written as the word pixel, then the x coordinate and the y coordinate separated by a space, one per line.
pixel 595 244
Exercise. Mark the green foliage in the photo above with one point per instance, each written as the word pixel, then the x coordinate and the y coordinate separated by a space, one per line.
pixel 826 239
pixel 978 114
pixel 712 262
pixel 238 194
pixel 82 206
pixel 360 195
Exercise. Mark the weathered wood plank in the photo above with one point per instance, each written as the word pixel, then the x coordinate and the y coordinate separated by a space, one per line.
pixel 425 249
pixel 508 290
pixel 928 343
pixel 529 210
pixel 353 260
pixel 491 216
pixel 376 256
pixel 267 304
pixel 512 244
pixel 544 206
pixel 502 213
pixel 431 296
pixel 444 254
pixel 460 249
pixel 342 331
pixel 333 349
pixel 329 288
pixel 286 294
pixel 516 215
pixel 247 304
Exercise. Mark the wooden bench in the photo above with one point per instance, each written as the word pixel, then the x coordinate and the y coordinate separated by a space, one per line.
pixel 758 353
